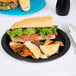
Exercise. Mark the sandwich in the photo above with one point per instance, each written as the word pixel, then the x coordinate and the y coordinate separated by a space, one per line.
pixel 37 28
pixel 8 4
pixel 34 37
pixel 25 5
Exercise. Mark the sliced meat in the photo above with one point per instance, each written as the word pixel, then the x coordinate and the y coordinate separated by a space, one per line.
pixel 13 5
pixel 39 38
pixel 17 39
pixel 38 43
pixel 50 37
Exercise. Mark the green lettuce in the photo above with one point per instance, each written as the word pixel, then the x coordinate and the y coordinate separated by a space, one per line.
pixel 18 32
pixel 11 33
pixel 54 29
pixel 30 31
pixel 15 32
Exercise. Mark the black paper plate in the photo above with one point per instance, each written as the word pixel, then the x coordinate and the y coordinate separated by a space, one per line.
pixel 62 50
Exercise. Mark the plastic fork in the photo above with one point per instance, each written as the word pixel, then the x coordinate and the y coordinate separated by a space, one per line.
pixel 66 29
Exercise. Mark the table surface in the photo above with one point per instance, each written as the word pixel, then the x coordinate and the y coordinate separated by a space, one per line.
pixel 64 66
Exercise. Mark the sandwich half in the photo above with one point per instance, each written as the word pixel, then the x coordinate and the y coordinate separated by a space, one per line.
pixel 8 4
pixel 32 37
pixel 37 28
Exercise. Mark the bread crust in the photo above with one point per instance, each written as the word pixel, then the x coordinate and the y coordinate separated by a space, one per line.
pixel 35 22
pixel 25 5
pixel 8 0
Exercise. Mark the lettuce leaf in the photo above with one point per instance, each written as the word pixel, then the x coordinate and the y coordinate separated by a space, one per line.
pixel 15 32
pixel 18 32
pixel 30 31
pixel 11 33
pixel 54 29
pixel 45 31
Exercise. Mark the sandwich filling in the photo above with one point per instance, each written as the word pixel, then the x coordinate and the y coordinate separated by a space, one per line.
pixel 8 5
pixel 29 34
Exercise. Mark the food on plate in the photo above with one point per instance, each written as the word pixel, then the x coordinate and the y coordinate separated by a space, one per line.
pixel 59 42
pixel 20 49
pixel 48 42
pixel 35 37
pixel 34 49
pixel 25 5
pixel 42 56
pixel 8 4
pixel 49 50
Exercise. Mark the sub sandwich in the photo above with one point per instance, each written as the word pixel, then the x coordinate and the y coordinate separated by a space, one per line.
pixel 8 4
pixel 32 37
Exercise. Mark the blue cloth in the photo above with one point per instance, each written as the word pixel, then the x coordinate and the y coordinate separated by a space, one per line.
pixel 36 5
